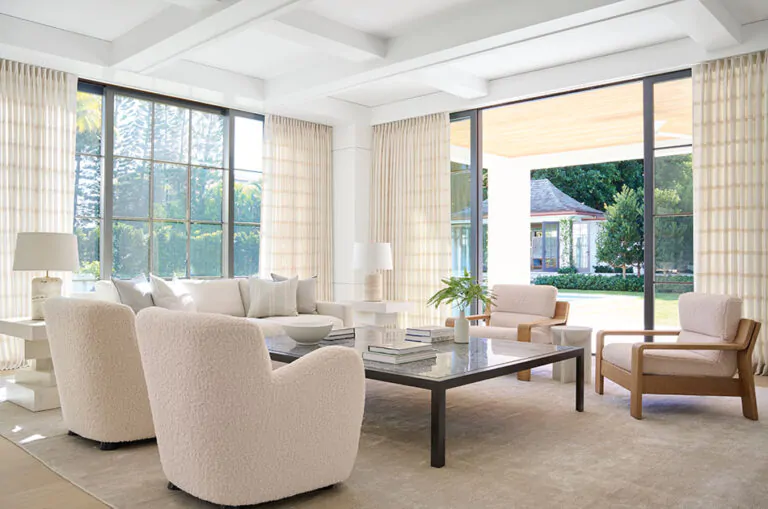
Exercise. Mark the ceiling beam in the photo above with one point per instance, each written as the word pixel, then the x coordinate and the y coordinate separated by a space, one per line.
pixel 34 37
pixel 230 84
pixel 320 33
pixel 177 30
pixel 463 30
pixel 707 22
pixel 452 80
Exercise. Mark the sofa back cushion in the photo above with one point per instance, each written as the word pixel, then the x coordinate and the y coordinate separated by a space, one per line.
pixel 245 292
pixel 214 295
pixel 538 300
pixel 171 295
pixel 135 293
pixel 272 298
pixel 708 316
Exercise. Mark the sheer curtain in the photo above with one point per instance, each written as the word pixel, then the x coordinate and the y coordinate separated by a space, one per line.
pixel 297 203
pixel 730 147
pixel 411 209
pixel 37 158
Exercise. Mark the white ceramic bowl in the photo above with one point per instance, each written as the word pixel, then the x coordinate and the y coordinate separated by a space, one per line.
pixel 308 333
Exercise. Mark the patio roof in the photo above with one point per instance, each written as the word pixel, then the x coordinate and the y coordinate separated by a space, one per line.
pixel 546 200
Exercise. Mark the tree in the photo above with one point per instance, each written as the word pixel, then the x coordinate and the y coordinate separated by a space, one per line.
pixel 594 184
pixel 620 241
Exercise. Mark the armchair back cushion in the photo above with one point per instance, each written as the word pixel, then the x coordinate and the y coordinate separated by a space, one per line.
pixel 709 318
pixel 706 317
pixel 516 304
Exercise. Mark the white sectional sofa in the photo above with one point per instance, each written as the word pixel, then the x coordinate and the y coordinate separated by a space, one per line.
pixel 232 297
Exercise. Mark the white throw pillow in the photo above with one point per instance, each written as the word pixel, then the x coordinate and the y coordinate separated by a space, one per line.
pixel 170 295
pixel 306 294
pixel 214 295
pixel 273 298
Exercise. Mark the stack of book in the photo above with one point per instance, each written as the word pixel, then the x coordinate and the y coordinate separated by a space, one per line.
pixel 399 353
pixel 339 334
pixel 429 334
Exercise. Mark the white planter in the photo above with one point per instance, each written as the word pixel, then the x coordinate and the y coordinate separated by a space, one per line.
pixel 461 329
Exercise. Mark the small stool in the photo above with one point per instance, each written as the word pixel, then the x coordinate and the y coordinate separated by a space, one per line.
pixel 571 335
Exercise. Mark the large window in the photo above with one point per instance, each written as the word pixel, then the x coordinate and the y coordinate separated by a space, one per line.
pixel 615 163
pixel 155 196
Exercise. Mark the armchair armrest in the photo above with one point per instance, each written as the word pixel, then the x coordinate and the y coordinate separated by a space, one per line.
pixel 449 322
pixel 524 329
pixel 602 333
pixel 338 310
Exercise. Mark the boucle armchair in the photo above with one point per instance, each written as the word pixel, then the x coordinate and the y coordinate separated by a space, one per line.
pixel 98 370
pixel 233 431
pixel 714 344
pixel 521 313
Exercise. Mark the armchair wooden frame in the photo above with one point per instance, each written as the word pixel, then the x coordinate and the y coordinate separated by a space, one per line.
pixel 638 383
pixel 562 309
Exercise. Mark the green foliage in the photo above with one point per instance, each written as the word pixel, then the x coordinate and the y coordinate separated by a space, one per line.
pixel 594 184
pixel 592 282
pixel 461 292
pixel 612 283
pixel 91 268
pixel 567 270
pixel 607 269
pixel 620 240
pixel 566 237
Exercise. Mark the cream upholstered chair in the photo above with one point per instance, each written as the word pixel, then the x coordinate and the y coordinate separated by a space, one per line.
pixel 98 370
pixel 714 344
pixel 233 431
pixel 521 313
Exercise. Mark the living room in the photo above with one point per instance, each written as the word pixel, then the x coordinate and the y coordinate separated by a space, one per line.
pixel 360 254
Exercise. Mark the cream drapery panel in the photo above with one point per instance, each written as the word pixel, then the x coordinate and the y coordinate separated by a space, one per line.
pixel 37 158
pixel 730 150
pixel 297 202
pixel 411 209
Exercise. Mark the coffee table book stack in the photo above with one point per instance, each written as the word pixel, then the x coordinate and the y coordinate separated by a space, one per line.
pixel 340 334
pixel 429 334
pixel 400 352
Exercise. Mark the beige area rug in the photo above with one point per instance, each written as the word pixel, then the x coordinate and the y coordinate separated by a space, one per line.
pixel 510 444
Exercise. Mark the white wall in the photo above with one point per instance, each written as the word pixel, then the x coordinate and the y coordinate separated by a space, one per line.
pixel 351 188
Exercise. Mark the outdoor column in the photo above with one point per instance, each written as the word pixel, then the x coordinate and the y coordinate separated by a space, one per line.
pixel 509 222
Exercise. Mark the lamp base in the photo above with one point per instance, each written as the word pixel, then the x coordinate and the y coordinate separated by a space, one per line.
pixel 43 288
pixel 373 287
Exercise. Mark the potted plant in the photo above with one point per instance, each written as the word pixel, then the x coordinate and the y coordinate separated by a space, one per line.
pixel 461 291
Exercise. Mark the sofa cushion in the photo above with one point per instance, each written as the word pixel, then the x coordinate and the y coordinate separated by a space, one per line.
pixel 272 298
pixel 135 293
pixel 245 293
pixel 672 362
pixel 171 295
pixel 214 295
pixel 525 299
pixel 710 315
pixel 306 293
pixel 106 291
pixel 538 335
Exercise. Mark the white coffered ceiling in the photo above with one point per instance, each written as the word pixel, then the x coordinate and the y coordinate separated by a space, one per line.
pixel 336 60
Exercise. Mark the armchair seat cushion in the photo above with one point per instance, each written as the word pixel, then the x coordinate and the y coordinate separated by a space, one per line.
pixel 538 334
pixel 672 362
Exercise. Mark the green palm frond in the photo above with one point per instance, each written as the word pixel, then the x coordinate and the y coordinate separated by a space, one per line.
pixel 461 291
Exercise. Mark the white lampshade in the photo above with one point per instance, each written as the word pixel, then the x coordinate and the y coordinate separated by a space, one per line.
pixel 46 251
pixel 372 256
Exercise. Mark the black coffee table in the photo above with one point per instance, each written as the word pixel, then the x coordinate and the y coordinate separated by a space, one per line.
pixel 456 365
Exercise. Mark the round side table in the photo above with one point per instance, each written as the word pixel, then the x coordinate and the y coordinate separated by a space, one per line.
pixel 571 335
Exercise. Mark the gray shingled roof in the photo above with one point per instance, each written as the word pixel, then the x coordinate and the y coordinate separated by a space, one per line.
pixel 546 199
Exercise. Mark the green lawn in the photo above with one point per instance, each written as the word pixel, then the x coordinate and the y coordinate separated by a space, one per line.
pixel 665 305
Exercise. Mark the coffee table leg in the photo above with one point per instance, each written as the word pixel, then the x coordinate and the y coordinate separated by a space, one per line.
pixel 438 428
pixel 580 382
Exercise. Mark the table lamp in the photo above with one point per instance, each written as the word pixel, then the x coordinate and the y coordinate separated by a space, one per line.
pixel 45 251
pixel 372 257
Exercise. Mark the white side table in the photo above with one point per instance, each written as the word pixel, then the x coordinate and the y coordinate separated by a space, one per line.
pixel 379 314
pixel 34 387
pixel 571 335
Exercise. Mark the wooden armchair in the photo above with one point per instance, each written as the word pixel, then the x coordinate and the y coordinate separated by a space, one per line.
pixel 520 313
pixel 714 344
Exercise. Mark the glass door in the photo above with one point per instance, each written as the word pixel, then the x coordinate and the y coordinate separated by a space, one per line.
pixel 551 251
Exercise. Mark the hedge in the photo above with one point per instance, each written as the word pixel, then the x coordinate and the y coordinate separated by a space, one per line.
pixel 611 283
